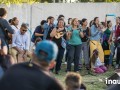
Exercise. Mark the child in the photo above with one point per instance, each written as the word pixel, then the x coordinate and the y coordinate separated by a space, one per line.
pixel 73 81
pixel 36 41
pixel 96 65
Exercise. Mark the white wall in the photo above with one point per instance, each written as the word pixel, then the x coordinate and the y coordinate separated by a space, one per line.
pixel 79 10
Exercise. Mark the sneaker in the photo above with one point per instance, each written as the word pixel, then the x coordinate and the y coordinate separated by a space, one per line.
pixel 117 66
pixel 56 72
pixel 80 66
pixel 67 71
pixel 72 64
pixel 65 63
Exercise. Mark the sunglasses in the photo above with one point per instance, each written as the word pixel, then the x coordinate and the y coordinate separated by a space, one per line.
pixel 24 30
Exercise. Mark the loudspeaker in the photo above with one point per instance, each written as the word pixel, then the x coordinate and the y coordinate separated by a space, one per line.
pixel 113 79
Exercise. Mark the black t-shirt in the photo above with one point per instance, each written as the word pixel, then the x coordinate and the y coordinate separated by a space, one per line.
pixel 50 30
pixel 85 38
pixel 39 30
pixel 23 77
pixel 59 41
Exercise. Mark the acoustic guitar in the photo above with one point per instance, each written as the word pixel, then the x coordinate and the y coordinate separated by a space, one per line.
pixel 60 34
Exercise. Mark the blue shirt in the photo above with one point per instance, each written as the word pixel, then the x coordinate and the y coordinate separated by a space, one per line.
pixel 20 41
pixel 46 30
pixel 5 25
pixel 95 33
pixel 75 38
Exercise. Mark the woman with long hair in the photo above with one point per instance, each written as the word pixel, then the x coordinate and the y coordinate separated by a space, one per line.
pixel 58 36
pixel 105 44
pixel 74 40
pixel 15 23
pixel 85 44
pixel 95 39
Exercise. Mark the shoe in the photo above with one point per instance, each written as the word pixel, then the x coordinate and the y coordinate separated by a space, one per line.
pixel 80 66
pixel 67 70
pixel 56 72
pixel 72 64
pixel 117 66
pixel 65 63
pixel 77 71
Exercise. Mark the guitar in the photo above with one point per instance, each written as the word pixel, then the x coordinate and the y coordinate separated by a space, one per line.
pixel 60 34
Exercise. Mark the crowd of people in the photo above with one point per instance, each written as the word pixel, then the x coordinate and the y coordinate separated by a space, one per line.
pixel 91 46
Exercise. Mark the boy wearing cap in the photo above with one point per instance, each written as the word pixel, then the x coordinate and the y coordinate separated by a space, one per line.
pixel 33 75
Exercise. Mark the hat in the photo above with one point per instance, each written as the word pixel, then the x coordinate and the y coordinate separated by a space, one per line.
pixel 46 50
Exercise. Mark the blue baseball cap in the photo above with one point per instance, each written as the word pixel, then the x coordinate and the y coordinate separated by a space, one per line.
pixel 46 50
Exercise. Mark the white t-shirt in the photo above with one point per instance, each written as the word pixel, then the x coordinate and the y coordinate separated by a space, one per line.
pixel 98 63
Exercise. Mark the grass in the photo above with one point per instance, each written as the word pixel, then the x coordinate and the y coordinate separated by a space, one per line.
pixel 92 82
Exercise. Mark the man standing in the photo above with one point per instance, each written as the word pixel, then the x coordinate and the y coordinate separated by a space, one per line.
pixel 33 75
pixel 48 27
pixel 114 37
pixel 4 25
pixel 20 45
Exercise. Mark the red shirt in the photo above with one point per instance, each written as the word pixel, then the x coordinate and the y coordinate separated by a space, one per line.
pixel 117 32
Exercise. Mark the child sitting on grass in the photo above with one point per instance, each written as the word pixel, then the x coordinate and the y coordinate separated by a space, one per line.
pixel 95 63
pixel 73 81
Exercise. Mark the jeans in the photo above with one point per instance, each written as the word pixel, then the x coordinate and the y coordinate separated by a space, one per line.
pixel 66 55
pixel 59 59
pixel 1 72
pixel 85 49
pixel 73 55
pixel 118 56
pixel 112 48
